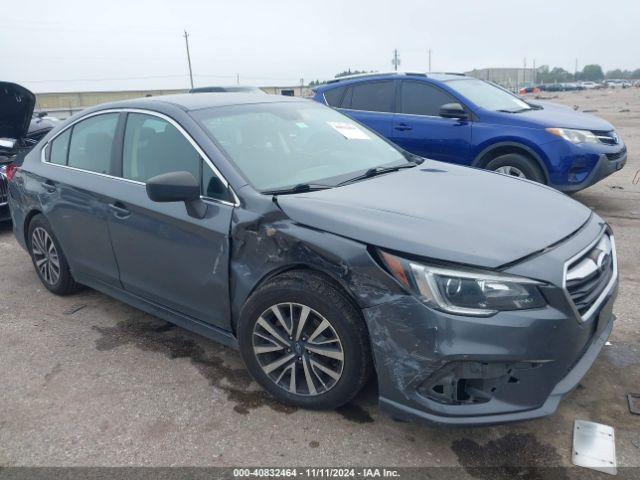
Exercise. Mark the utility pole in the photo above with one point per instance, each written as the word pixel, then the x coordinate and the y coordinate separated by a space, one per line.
pixel 237 79
pixel 186 41
pixel 429 61
pixel 396 60
pixel 575 71
pixel 301 87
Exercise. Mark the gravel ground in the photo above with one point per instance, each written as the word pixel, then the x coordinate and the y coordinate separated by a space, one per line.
pixel 89 381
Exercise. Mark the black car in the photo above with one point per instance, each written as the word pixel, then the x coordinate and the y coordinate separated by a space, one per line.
pixel 227 89
pixel 283 228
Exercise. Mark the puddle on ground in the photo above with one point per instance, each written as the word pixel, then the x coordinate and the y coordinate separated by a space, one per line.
pixel 150 334
pixel 515 455
pixel 355 413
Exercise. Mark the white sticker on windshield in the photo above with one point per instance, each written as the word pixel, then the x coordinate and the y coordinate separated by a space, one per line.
pixel 349 131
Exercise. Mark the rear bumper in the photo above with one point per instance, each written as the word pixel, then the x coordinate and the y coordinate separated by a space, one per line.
pixel 519 365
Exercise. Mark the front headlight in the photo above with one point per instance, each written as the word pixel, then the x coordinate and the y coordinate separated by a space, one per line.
pixel 465 292
pixel 574 136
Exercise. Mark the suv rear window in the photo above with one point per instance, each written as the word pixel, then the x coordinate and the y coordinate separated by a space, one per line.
pixel 371 96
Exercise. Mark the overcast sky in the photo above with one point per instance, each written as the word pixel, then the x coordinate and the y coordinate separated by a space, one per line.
pixel 79 45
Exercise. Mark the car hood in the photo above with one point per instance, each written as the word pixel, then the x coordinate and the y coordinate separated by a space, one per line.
pixel 16 108
pixel 443 212
pixel 561 116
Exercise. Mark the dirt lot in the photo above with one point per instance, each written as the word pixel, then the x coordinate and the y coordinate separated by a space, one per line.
pixel 87 380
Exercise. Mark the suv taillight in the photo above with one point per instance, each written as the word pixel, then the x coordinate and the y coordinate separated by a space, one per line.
pixel 11 171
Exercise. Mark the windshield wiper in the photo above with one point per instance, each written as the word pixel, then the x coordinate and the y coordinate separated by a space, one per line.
pixel 299 188
pixel 515 111
pixel 372 172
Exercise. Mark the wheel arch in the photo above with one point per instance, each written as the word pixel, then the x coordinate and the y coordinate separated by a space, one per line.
pixel 27 221
pixel 302 268
pixel 502 148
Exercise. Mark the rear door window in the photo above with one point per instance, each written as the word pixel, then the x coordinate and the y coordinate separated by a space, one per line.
pixel 371 96
pixel 419 98
pixel 92 143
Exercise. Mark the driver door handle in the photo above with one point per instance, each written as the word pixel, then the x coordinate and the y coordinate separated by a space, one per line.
pixel 403 127
pixel 119 210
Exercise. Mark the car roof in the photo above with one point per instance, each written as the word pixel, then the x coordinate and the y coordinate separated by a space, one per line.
pixel 189 101
pixel 438 77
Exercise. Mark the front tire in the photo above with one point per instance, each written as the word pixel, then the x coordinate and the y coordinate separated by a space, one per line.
pixel 48 259
pixel 305 342
pixel 516 165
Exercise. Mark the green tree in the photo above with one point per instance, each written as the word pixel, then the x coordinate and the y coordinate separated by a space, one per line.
pixel 350 72
pixel 617 73
pixel 592 73
pixel 557 74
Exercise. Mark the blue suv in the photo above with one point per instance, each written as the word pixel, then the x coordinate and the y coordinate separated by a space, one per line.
pixel 459 119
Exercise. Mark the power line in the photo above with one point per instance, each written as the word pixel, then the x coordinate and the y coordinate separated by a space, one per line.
pixel 102 79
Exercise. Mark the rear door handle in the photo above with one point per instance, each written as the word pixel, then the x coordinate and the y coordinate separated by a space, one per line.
pixel 119 211
pixel 49 186
pixel 403 127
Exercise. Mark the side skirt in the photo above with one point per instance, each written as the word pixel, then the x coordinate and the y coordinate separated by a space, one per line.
pixel 209 331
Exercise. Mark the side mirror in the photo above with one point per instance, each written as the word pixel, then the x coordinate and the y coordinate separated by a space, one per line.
pixel 177 187
pixel 8 143
pixel 453 110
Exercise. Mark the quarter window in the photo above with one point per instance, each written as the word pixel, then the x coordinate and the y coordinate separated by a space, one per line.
pixel 419 98
pixel 60 148
pixel 371 96
pixel 334 96
pixel 92 143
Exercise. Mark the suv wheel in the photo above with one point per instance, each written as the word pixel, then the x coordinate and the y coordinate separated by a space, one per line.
pixel 304 342
pixel 516 165
pixel 48 259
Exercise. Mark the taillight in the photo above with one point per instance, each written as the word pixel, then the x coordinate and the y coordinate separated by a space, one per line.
pixel 11 171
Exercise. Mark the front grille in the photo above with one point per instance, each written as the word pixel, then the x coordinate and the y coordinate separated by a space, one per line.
pixel 617 155
pixel 589 274
pixel 606 137
pixel 4 189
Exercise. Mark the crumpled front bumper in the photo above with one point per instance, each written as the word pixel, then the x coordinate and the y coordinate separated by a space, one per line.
pixel 518 365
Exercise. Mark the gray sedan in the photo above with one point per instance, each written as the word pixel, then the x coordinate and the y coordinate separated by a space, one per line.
pixel 324 253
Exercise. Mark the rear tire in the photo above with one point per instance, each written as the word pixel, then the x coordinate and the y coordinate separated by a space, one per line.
pixel 322 364
pixel 48 258
pixel 517 165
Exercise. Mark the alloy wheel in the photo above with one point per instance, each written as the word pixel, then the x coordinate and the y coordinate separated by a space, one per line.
pixel 298 349
pixel 45 256
pixel 512 171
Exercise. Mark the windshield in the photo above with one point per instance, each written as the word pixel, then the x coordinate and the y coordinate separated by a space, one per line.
pixel 281 145
pixel 487 96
